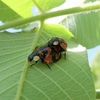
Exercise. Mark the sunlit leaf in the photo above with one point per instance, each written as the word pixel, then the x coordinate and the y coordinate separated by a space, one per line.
pixel 12 9
pixel 6 13
pixel 49 4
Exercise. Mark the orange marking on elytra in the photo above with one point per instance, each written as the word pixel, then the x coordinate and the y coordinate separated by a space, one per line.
pixel 48 59
pixel 64 46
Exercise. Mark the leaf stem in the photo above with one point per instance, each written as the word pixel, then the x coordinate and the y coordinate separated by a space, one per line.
pixel 82 8
pixel 21 81
pixel 22 78
pixel 37 35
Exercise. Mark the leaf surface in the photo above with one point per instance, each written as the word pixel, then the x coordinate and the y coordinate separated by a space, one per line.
pixel 69 78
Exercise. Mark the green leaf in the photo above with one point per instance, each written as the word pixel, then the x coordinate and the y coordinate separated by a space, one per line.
pixel 13 9
pixel 49 4
pixel 6 13
pixel 23 8
pixel 68 79
pixel 85 28
pixel 56 30
pixel 13 53
pixel 87 1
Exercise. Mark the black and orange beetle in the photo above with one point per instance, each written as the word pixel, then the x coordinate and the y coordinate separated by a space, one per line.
pixel 58 45
pixel 45 54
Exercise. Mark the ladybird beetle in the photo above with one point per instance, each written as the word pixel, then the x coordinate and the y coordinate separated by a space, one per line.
pixel 45 53
pixel 58 44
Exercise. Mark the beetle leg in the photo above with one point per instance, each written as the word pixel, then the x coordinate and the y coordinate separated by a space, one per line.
pixel 33 64
pixel 48 66
pixel 65 55
pixel 42 56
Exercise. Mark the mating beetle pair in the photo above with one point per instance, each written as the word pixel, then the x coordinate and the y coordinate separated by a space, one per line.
pixel 50 52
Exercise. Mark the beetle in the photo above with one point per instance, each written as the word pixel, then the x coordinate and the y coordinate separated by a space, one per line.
pixel 45 54
pixel 58 45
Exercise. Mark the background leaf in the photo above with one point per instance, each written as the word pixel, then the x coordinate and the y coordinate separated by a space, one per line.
pixel 56 30
pixel 20 7
pixel 85 27
pixel 69 78
pixel 49 4
pixel 23 8
pixel 6 13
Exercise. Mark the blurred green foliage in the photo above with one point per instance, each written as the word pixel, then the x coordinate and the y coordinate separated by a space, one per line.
pixel 96 69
